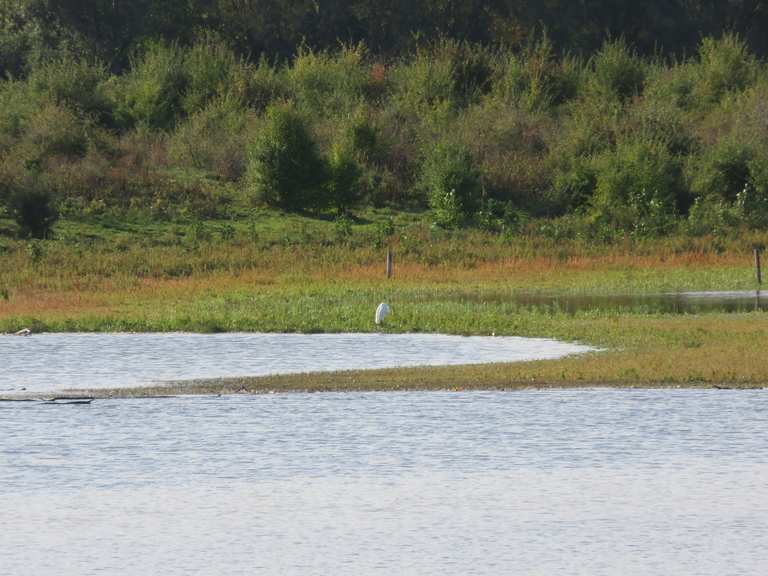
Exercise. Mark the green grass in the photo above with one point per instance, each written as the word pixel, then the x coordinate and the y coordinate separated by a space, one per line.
pixel 128 277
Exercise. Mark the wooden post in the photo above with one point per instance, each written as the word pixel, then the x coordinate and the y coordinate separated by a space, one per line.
pixel 389 262
pixel 758 272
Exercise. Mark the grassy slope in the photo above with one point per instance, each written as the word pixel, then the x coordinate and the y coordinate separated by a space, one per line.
pixel 133 279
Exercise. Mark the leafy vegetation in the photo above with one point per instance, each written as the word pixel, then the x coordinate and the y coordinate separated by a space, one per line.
pixel 34 209
pixel 453 184
pixel 285 168
pixel 481 135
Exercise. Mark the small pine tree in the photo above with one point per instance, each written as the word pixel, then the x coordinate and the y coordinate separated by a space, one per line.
pixel 453 184
pixel 284 166
pixel 34 209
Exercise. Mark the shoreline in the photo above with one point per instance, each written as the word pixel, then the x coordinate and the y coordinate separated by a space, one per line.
pixel 461 378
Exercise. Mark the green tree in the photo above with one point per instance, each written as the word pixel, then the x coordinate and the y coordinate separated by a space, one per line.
pixel 284 166
pixel 453 184
pixel 34 209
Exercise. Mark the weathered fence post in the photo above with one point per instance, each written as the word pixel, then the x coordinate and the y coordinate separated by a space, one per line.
pixel 758 272
pixel 389 262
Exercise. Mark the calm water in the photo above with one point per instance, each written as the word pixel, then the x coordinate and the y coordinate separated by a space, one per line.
pixel 58 361
pixel 676 303
pixel 593 482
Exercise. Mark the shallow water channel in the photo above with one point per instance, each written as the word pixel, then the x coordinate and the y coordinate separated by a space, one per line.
pixel 45 362
pixel 668 303
pixel 592 482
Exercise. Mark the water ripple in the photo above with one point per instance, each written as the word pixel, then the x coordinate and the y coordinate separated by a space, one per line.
pixel 591 482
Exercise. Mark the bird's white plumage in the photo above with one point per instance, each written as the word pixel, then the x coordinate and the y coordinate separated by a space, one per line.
pixel 381 312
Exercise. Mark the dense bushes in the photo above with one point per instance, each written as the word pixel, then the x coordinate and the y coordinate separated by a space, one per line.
pixel 286 169
pixel 639 187
pixel 213 139
pixel 625 144
pixel 618 73
pixel 151 93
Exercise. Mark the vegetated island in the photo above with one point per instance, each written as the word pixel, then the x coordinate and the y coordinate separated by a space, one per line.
pixel 164 179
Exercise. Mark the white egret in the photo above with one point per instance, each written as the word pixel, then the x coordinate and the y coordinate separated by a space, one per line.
pixel 381 312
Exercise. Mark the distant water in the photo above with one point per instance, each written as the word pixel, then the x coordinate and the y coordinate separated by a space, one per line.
pixel 58 361
pixel 577 482
pixel 672 303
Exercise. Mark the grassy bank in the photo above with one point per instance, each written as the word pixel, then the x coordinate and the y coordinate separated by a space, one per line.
pixel 143 278
pixel 461 283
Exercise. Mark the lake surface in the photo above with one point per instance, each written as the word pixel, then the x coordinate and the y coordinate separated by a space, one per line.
pixel 592 482
pixel 45 362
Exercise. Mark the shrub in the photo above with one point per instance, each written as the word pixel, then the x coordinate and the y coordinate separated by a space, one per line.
pixel 259 85
pixel 210 69
pixel 324 83
pixel 752 205
pixel 442 78
pixel 723 169
pixel 725 65
pixel 151 92
pixel 536 78
pixel 639 188
pixel 661 122
pixel 511 153
pixel 672 84
pixel 358 139
pixel 55 130
pixel 591 127
pixel 284 166
pixel 617 71
pixel 422 82
pixel 574 184
pixel 17 105
pixel 453 184
pixel 342 188
pixel 15 42
pixel 752 201
pixel 748 114
pixel 72 82
pixel 471 70
pixel 33 207
pixel 342 226
pixel 188 198
pixel 213 139
pixel 363 138
pixel 383 231
pixel 711 215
